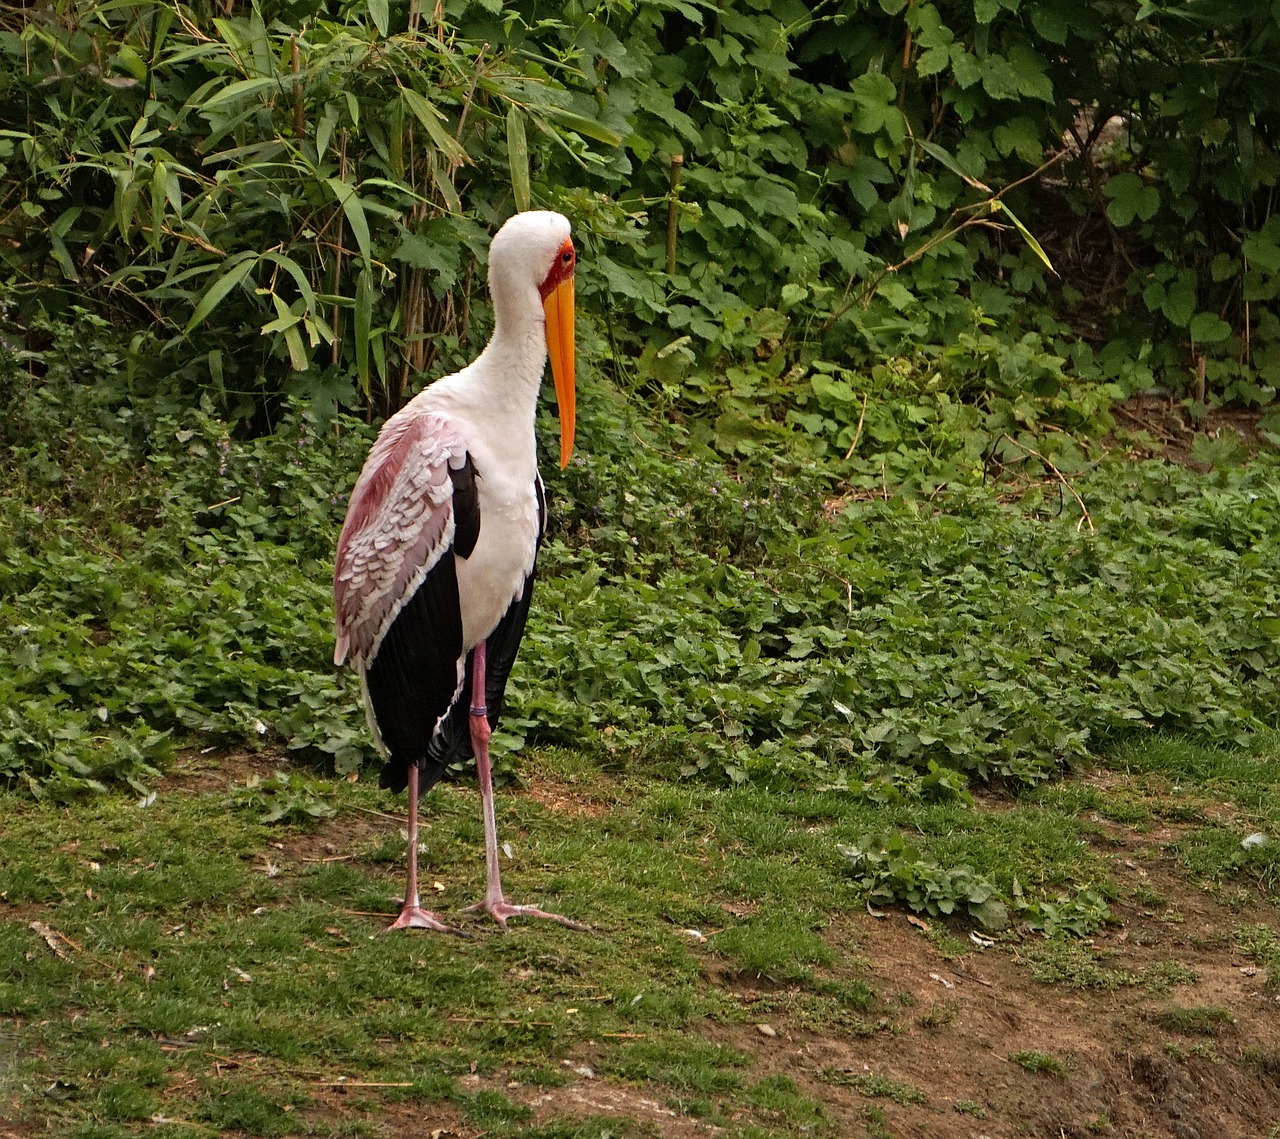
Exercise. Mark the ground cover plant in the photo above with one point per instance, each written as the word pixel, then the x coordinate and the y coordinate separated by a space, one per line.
pixel 164 576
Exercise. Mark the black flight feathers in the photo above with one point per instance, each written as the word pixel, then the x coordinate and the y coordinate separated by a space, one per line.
pixel 413 678
pixel 466 508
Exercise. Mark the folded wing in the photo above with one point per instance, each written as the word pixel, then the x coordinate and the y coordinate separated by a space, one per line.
pixel 413 511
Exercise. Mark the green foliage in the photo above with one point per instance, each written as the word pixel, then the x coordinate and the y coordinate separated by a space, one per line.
pixel 876 1085
pixel 294 198
pixel 891 870
pixel 267 193
pixel 1194 1021
pixel 1040 1062
pixel 160 576
pixel 1074 964
pixel 292 798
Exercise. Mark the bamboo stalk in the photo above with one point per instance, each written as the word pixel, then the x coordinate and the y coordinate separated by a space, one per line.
pixel 299 115
pixel 673 213
pixel 335 316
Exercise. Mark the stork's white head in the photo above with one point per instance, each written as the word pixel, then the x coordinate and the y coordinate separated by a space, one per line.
pixel 524 251
pixel 531 263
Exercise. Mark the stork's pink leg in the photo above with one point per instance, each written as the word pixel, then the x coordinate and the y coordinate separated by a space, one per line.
pixel 412 915
pixel 494 904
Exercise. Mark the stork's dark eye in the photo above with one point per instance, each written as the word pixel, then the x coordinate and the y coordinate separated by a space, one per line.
pixel 567 257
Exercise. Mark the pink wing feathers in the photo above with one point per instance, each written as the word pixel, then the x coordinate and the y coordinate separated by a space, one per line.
pixel 398 526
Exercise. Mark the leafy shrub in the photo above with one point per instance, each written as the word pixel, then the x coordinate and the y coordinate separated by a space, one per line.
pixel 295 201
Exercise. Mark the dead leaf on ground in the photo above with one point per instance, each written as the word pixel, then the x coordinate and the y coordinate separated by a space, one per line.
pixel 53 939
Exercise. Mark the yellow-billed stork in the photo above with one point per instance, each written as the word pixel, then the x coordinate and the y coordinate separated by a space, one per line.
pixel 435 563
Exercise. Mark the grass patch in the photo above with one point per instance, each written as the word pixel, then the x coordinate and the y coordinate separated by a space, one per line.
pixel 1194 1021
pixel 779 1098
pixel 1262 946
pixel 1074 965
pixel 198 930
pixel 939 1014
pixel 686 1065
pixel 876 1085
pixel 1040 1063
pixel 1247 778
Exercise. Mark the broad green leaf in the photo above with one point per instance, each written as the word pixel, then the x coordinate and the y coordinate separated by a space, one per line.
pixel 1052 22
pixel 1000 79
pixel 991 914
pixel 1130 198
pixel 433 253
pixel 353 208
pixel 1263 249
pixel 1031 70
pixel 236 270
pixel 518 158
pixel 965 66
pixel 380 14
pixel 1020 136
pixel 1209 328
pixel 1180 300
pixel 932 60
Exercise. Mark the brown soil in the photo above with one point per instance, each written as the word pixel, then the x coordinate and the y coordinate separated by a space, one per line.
pixel 1170 431
pixel 951 1017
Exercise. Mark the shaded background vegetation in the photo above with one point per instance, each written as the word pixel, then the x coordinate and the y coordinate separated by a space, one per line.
pixel 910 251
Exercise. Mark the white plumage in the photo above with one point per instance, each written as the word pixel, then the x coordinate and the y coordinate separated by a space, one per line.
pixel 437 552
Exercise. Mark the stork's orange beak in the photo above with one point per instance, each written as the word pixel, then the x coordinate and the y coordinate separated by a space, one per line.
pixel 559 309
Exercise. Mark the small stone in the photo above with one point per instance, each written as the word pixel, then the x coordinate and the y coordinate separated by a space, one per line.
pixel 766 1030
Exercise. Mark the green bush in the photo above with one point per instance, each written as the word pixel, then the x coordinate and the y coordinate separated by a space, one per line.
pixel 294 198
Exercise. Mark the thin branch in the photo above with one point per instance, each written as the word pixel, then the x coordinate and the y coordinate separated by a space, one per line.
pixel 1085 519
pixel 857 433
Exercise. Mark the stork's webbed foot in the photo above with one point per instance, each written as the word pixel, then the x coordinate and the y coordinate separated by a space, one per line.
pixel 415 917
pixel 500 910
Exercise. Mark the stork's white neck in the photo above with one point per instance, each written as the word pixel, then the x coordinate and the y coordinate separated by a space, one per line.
pixel 496 395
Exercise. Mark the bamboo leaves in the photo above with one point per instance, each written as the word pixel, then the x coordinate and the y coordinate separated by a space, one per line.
pixel 262 176
pixel 234 272
pixel 433 123
pixel 353 209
